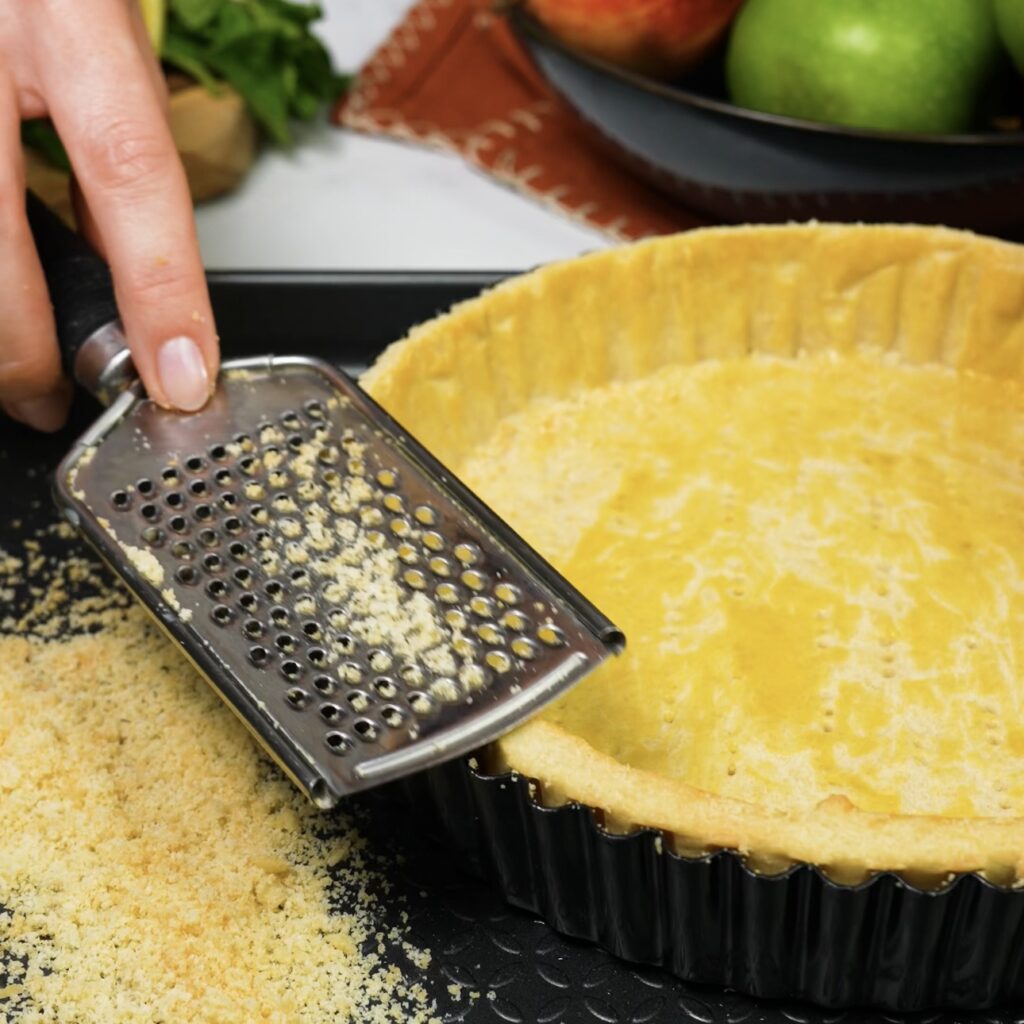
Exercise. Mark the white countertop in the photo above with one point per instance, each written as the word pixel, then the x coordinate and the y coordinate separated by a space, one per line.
pixel 345 201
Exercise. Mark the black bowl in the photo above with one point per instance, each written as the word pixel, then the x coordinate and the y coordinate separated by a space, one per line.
pixel 736 165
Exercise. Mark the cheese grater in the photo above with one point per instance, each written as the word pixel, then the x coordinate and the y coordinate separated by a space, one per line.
pixel 362 612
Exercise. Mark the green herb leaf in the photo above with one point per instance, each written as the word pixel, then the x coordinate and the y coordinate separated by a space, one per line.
pixel 265 49
pixel 40 135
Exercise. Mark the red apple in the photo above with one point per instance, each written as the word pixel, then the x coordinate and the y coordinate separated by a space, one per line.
pixel 662 38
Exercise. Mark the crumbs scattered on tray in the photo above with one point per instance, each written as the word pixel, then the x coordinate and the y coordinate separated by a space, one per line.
pixel 175 858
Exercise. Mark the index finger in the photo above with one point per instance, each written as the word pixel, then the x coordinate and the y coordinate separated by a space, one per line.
pixel 117 137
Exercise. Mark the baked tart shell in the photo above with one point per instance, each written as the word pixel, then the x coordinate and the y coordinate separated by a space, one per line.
pixel 925 295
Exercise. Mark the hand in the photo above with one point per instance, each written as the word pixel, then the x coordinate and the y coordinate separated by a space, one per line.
pixel 88 65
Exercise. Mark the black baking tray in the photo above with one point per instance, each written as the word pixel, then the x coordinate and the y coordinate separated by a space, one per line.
pixel 525 971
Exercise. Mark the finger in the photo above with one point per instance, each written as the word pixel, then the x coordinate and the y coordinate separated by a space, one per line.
pixel 128 169
pixel 145 45
pixel 31 386
pixel 86 222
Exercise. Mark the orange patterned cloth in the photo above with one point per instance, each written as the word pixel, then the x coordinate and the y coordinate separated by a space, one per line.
pixel 452 76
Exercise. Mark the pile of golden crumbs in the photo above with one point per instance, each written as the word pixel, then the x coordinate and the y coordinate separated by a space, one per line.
pixel 154 866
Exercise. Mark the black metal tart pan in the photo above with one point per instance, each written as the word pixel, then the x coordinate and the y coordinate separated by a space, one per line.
pixel 796 935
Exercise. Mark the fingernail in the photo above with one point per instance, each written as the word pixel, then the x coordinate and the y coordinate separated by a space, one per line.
pixel 182 372
pixel 48 413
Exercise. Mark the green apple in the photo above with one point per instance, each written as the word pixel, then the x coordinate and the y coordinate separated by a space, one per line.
pixel 892 65
pixel 1010 18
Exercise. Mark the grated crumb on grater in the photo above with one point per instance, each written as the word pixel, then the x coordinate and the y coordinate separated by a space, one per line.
pixel 337 596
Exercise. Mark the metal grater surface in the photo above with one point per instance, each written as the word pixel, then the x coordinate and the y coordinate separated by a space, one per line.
pixel 358 608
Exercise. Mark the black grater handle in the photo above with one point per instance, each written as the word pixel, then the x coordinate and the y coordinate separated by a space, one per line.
pixel 84 308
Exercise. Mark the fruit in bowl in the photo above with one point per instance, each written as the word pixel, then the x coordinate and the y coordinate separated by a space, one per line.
pixel 911 66
pixel 661 38
pixel 1010 18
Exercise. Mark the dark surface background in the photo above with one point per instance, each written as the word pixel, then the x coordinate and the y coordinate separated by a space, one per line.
pixel 523 970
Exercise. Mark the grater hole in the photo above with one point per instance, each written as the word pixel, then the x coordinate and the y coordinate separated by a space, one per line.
pixel 433 541
pixel 244 441
pixel 153 536
pixel 415 579
pixel 338 619
pixel 379 661
pixel 222 614
pixel 411 674
pixel 203 513
pixel 233 526
pixel 420 703
pixel 297 698
pixel 358 700
pixel 285 642
pixel 400 527
pixel 490 634
pixel 331 478
pixel 274 588
pixel 446 690
pixel 195 464
pixel 482 606
pixel 311 629
pixel 217 588
pixel 448 593
pixel 388 478
pixel 498 660
pixel 121 500
pixel 295 442
pixel 345 643
pixel 440 567
pixel 551 635
pixel 170 475
pixel 243 576
pixel 300 577
pixel 174 500
pixel 181 549
pixel 145 487
pixel 456 618
pixel 474 579
pixel 515 620
pixel 198 488
pixel 328 455
pixel 523 648
pixel 351 673
pixel 425 515
pixel 385 687
pixel 393 503
pixel 249 602
pixel 228 500
pixel 290 421
pixel 259 655
pixel 252 629
pixel 213 563
pixel 330 713
pixel 150 512
pixel 238 551
pixel 314 409
pixel 291 669
pixel 338 743
pixel 208 538
pixel 258 514
pixel 218 452
pixel 467 554
pixel 223 476
pixel 392 717
pixel 247 465
pixel 317 656
pixel 507 594
pixel 187 575
pixel 367 730
pixel 324 685
pixel 179 524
